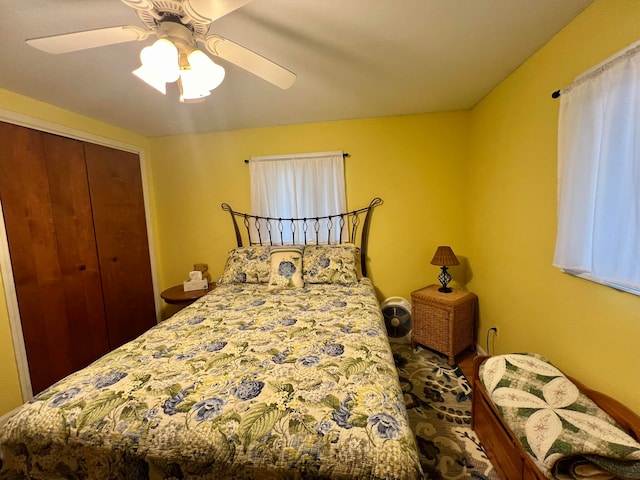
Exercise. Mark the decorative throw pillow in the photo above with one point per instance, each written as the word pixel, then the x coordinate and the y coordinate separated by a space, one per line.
pixel 246 265
pixel 331 264
pixel 286 268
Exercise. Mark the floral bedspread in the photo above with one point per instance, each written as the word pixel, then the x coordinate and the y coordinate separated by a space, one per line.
pixel 243 384
pixel 566 433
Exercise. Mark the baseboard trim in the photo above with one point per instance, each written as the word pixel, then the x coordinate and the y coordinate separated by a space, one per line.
pixel 480 350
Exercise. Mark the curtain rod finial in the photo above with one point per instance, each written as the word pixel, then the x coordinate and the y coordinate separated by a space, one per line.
pixel 555 94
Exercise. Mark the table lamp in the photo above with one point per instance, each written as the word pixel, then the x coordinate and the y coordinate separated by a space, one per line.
pixel 444 257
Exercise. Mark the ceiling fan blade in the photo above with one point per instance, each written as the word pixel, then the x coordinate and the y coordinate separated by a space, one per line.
pixel 144 5
pixel 206 11
pixel 250 61
pixel 71 42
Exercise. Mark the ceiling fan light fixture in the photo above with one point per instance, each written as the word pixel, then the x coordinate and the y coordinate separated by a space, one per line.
pixel 190 90
pixel 199 77
pixel 151 78
pixel 159 64
pixel 162 57
pixel 179 26
pixel 209 74
pixel 192 87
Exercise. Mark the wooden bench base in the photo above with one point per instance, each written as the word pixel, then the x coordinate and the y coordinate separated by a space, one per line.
pixel 504 450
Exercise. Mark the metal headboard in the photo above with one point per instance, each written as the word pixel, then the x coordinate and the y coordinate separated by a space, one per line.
pixel 329 229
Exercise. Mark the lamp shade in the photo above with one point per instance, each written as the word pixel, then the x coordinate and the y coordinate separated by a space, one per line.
pixel 210 73
pixel 202 76
pixel 159 65
pixel 162 57
pixel 444 257
pixel 150 77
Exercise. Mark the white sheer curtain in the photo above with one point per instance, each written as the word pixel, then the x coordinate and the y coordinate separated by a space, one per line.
pixel 302 186
pixel 599 174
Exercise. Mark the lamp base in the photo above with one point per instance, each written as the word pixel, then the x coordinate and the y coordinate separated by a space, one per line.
pixel 444 278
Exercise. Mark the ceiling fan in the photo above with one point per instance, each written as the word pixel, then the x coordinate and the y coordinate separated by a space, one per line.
pixel 180 26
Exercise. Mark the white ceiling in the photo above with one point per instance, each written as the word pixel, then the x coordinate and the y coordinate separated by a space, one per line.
pixel 353 58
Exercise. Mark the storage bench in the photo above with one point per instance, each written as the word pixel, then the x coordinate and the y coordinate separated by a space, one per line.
pixel 520 405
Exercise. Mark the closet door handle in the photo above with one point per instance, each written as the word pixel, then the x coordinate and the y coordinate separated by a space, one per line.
pixel 114 259
pixel 83 267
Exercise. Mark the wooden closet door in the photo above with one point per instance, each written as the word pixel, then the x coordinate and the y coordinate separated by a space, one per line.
pixel 47 214
pixel 115 184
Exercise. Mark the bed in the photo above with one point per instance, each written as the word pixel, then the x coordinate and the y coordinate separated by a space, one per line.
pixel 282 371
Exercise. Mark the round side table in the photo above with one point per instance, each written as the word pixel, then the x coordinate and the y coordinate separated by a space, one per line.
pixel 177 296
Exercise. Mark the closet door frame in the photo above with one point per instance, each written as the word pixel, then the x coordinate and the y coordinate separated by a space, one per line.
pixel 6 269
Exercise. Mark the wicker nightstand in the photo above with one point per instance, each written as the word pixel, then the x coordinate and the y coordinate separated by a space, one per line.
pixel 443 321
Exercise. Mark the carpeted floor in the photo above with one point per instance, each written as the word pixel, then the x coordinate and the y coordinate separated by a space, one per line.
pixel 438 399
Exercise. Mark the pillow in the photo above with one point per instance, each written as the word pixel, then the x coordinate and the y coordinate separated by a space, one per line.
pixel 286 268
pixel 246 265
pixel 331 264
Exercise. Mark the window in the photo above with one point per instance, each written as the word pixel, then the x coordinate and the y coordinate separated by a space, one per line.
pixel 302 186
pixel 599 174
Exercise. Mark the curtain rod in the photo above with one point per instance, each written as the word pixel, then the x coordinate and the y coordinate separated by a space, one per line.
pixel 344 155
pixel 626 52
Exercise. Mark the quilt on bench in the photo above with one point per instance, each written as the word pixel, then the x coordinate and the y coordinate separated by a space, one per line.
pixel 565 432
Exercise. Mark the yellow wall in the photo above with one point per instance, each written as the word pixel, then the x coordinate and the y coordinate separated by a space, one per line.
pixel 16 107
pixel 416 164
pixel 10 396
pixel 588 330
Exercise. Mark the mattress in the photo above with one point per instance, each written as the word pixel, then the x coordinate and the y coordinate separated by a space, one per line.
pixel 246 383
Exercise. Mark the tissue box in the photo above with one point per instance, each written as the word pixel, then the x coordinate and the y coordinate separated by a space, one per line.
pixel 195 285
